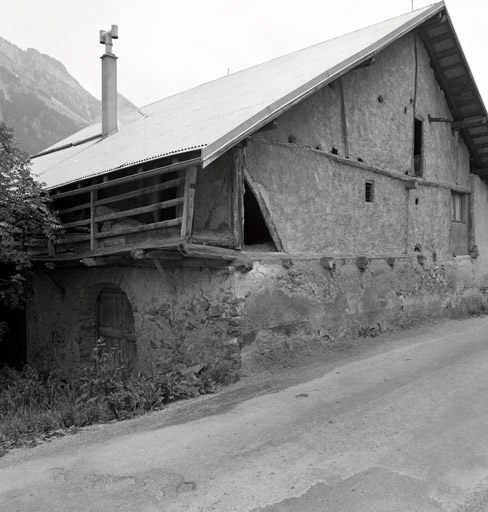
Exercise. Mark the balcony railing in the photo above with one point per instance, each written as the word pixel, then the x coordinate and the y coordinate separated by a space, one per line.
pixel 153 204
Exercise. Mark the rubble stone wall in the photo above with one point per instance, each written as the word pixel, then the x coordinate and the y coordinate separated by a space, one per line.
pixel 223 316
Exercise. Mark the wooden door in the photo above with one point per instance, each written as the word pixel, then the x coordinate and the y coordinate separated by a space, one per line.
pixel 115 324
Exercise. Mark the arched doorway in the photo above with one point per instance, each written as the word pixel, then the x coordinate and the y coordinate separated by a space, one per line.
pixel 115 325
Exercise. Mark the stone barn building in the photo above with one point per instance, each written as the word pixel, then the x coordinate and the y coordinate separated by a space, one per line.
pixel 333 191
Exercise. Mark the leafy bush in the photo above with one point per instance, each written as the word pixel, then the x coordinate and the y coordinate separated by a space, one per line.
pixel 36 406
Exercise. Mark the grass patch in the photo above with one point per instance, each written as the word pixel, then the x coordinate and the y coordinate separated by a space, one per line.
pixel 35 406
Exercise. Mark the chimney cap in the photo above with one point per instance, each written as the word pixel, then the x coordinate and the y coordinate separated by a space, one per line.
pixel 106 37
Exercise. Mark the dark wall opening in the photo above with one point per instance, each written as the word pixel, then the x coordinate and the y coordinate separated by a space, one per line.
pixel 255 229
pixel 13 342
pixel 417 147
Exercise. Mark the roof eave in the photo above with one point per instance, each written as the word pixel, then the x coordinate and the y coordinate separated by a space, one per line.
pixel 451 93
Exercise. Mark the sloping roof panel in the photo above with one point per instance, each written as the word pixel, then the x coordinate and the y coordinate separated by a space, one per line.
pixel 215 115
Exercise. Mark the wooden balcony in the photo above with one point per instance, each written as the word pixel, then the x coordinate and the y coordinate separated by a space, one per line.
pixel 107 216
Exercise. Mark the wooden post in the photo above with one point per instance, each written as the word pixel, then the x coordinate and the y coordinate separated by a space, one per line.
pixel 237 212
pixel 93 223
pixel 344 119
pixel 164 276
pixel 188 205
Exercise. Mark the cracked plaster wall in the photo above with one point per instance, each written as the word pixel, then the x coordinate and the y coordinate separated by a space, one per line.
pixel 318 201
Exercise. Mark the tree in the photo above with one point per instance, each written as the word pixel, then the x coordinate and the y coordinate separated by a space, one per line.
pixel 24 213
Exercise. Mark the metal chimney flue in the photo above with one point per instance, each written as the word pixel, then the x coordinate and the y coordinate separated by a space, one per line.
pixel 109 82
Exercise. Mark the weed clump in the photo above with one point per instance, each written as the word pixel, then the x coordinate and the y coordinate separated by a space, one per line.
pixel 35 406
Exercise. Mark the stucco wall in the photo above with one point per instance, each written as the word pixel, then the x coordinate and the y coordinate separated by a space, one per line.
pixel 318 204
pixel 317 200
pixel 309 304
pixel 213 196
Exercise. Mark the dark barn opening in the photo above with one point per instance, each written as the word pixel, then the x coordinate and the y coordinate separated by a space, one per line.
pixel 255 229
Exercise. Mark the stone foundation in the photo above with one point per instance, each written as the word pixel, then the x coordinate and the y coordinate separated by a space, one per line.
pixel 222 316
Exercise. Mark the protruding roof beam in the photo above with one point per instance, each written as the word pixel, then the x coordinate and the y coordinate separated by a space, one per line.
pixel 469 122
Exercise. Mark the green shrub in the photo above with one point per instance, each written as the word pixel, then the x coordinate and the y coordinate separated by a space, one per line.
pixel 36 406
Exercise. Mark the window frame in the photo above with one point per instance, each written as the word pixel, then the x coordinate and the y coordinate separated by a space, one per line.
pixel 459 207
pixel 369 191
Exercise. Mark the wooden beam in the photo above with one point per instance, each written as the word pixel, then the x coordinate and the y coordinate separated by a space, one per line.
pixel 166 243
pixel 469 122
pixel 137 211
pixel 93 223
pixel 53 281
pixel 141 228
pixel 468 102
pixel 77 223
pixel 133 177
pixel 155 254
pixel 76 208
pixel 439 119
pixel 164 276
pixel 454 66
pixel 206 251
pixel 446 53
pixel 480 146
pixel 237 210
pixel 140 192
pixel 441 37
pixel 189 201
pixel 458 81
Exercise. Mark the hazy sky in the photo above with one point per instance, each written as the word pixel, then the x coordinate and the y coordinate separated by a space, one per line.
pixel 168 46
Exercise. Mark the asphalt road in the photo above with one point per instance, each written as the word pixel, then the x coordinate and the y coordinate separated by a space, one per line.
pixel 400 428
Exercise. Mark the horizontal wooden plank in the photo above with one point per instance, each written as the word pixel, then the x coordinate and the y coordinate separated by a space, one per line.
pixel 169 243
pixel 74 208
pixel 142 209
pixel 208 252
pixel 142 227
pixel 140 192
pixel 133 177
pixel 77 223
pixel 73 238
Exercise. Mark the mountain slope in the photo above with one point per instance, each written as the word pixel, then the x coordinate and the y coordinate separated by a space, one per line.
pixel 40 100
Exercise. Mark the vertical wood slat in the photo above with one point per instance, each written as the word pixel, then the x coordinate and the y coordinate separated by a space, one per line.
pixel 188 206
pixel 93 224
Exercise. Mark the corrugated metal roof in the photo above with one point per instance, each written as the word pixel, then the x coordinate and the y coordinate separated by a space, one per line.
pixel 214 116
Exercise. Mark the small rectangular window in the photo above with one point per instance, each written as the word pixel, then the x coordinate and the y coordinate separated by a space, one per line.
pixel 458 207
pixel 369 192
pixel 417 148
